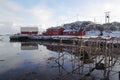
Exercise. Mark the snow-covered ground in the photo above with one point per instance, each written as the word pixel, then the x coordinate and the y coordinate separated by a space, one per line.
pixel 105 33
pixel 112 34
pixel 92 33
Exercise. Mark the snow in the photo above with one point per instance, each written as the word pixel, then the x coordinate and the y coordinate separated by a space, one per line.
pixel 68 30
pixel 114 34
pixel 105 33
pixel 29 29
pixel 92 33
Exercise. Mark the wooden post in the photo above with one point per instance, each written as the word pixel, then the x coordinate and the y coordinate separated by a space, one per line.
pixel 60 40
pixel 119 75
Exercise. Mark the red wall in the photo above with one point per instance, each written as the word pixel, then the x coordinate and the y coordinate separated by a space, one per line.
pixel 29 32
pixel 51 32
pixel 81 33
pixel 60 31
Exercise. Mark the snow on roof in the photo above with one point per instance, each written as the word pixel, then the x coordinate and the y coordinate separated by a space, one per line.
pixel 68 30
pixel 29 28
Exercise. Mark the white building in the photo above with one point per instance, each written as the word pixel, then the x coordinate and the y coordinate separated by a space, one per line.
pixel 29 30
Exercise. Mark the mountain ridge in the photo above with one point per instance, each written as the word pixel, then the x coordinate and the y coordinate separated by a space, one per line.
pixel 89 25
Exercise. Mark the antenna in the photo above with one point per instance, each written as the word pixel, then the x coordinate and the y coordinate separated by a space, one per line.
pixel 107 17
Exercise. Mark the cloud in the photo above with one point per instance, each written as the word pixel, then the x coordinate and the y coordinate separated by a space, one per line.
pixel 47 13
pixel 42 15
pixel 10 11
pixel 10 14
pixel 19 15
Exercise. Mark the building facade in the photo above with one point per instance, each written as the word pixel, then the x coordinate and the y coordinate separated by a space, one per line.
pixel 54 31
pixel 29 30
pixel 62 31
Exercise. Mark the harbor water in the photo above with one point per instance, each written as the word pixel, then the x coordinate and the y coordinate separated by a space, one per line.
pixel 55 61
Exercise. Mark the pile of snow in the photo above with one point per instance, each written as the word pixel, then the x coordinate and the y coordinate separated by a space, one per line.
pixel 92 33
pixel 105 33
pixel 68 30
pixel 112 34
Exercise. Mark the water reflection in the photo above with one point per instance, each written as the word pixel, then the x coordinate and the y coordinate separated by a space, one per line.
pixel 29 46
pixel 86 62
pixel 55 61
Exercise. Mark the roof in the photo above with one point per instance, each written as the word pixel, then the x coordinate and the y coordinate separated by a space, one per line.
pixel 54 28
pixel 29 28
pixel 68 30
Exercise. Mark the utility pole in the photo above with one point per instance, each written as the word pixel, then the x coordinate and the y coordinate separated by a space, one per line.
pixel 107 17
pixel 94 23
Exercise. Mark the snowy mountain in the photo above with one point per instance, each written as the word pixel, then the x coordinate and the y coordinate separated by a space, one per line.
pixel 78 25
pixel 94 29
pixel 114 26
pixel 88 25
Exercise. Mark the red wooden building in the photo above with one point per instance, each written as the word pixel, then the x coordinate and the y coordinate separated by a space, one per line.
pixel 54 31
pixel 62 31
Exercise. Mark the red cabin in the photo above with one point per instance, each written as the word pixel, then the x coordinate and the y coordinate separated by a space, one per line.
pixel 54 31
pixel 62 31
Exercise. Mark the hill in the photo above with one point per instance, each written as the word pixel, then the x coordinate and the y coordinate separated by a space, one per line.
pixel 89 25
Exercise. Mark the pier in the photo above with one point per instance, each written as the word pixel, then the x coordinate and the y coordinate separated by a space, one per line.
pixel 97 40
pixel 94 57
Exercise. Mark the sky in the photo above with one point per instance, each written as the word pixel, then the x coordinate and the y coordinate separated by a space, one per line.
pixel 48 13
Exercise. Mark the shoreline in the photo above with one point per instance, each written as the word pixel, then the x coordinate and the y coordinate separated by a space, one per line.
pixel 78 40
